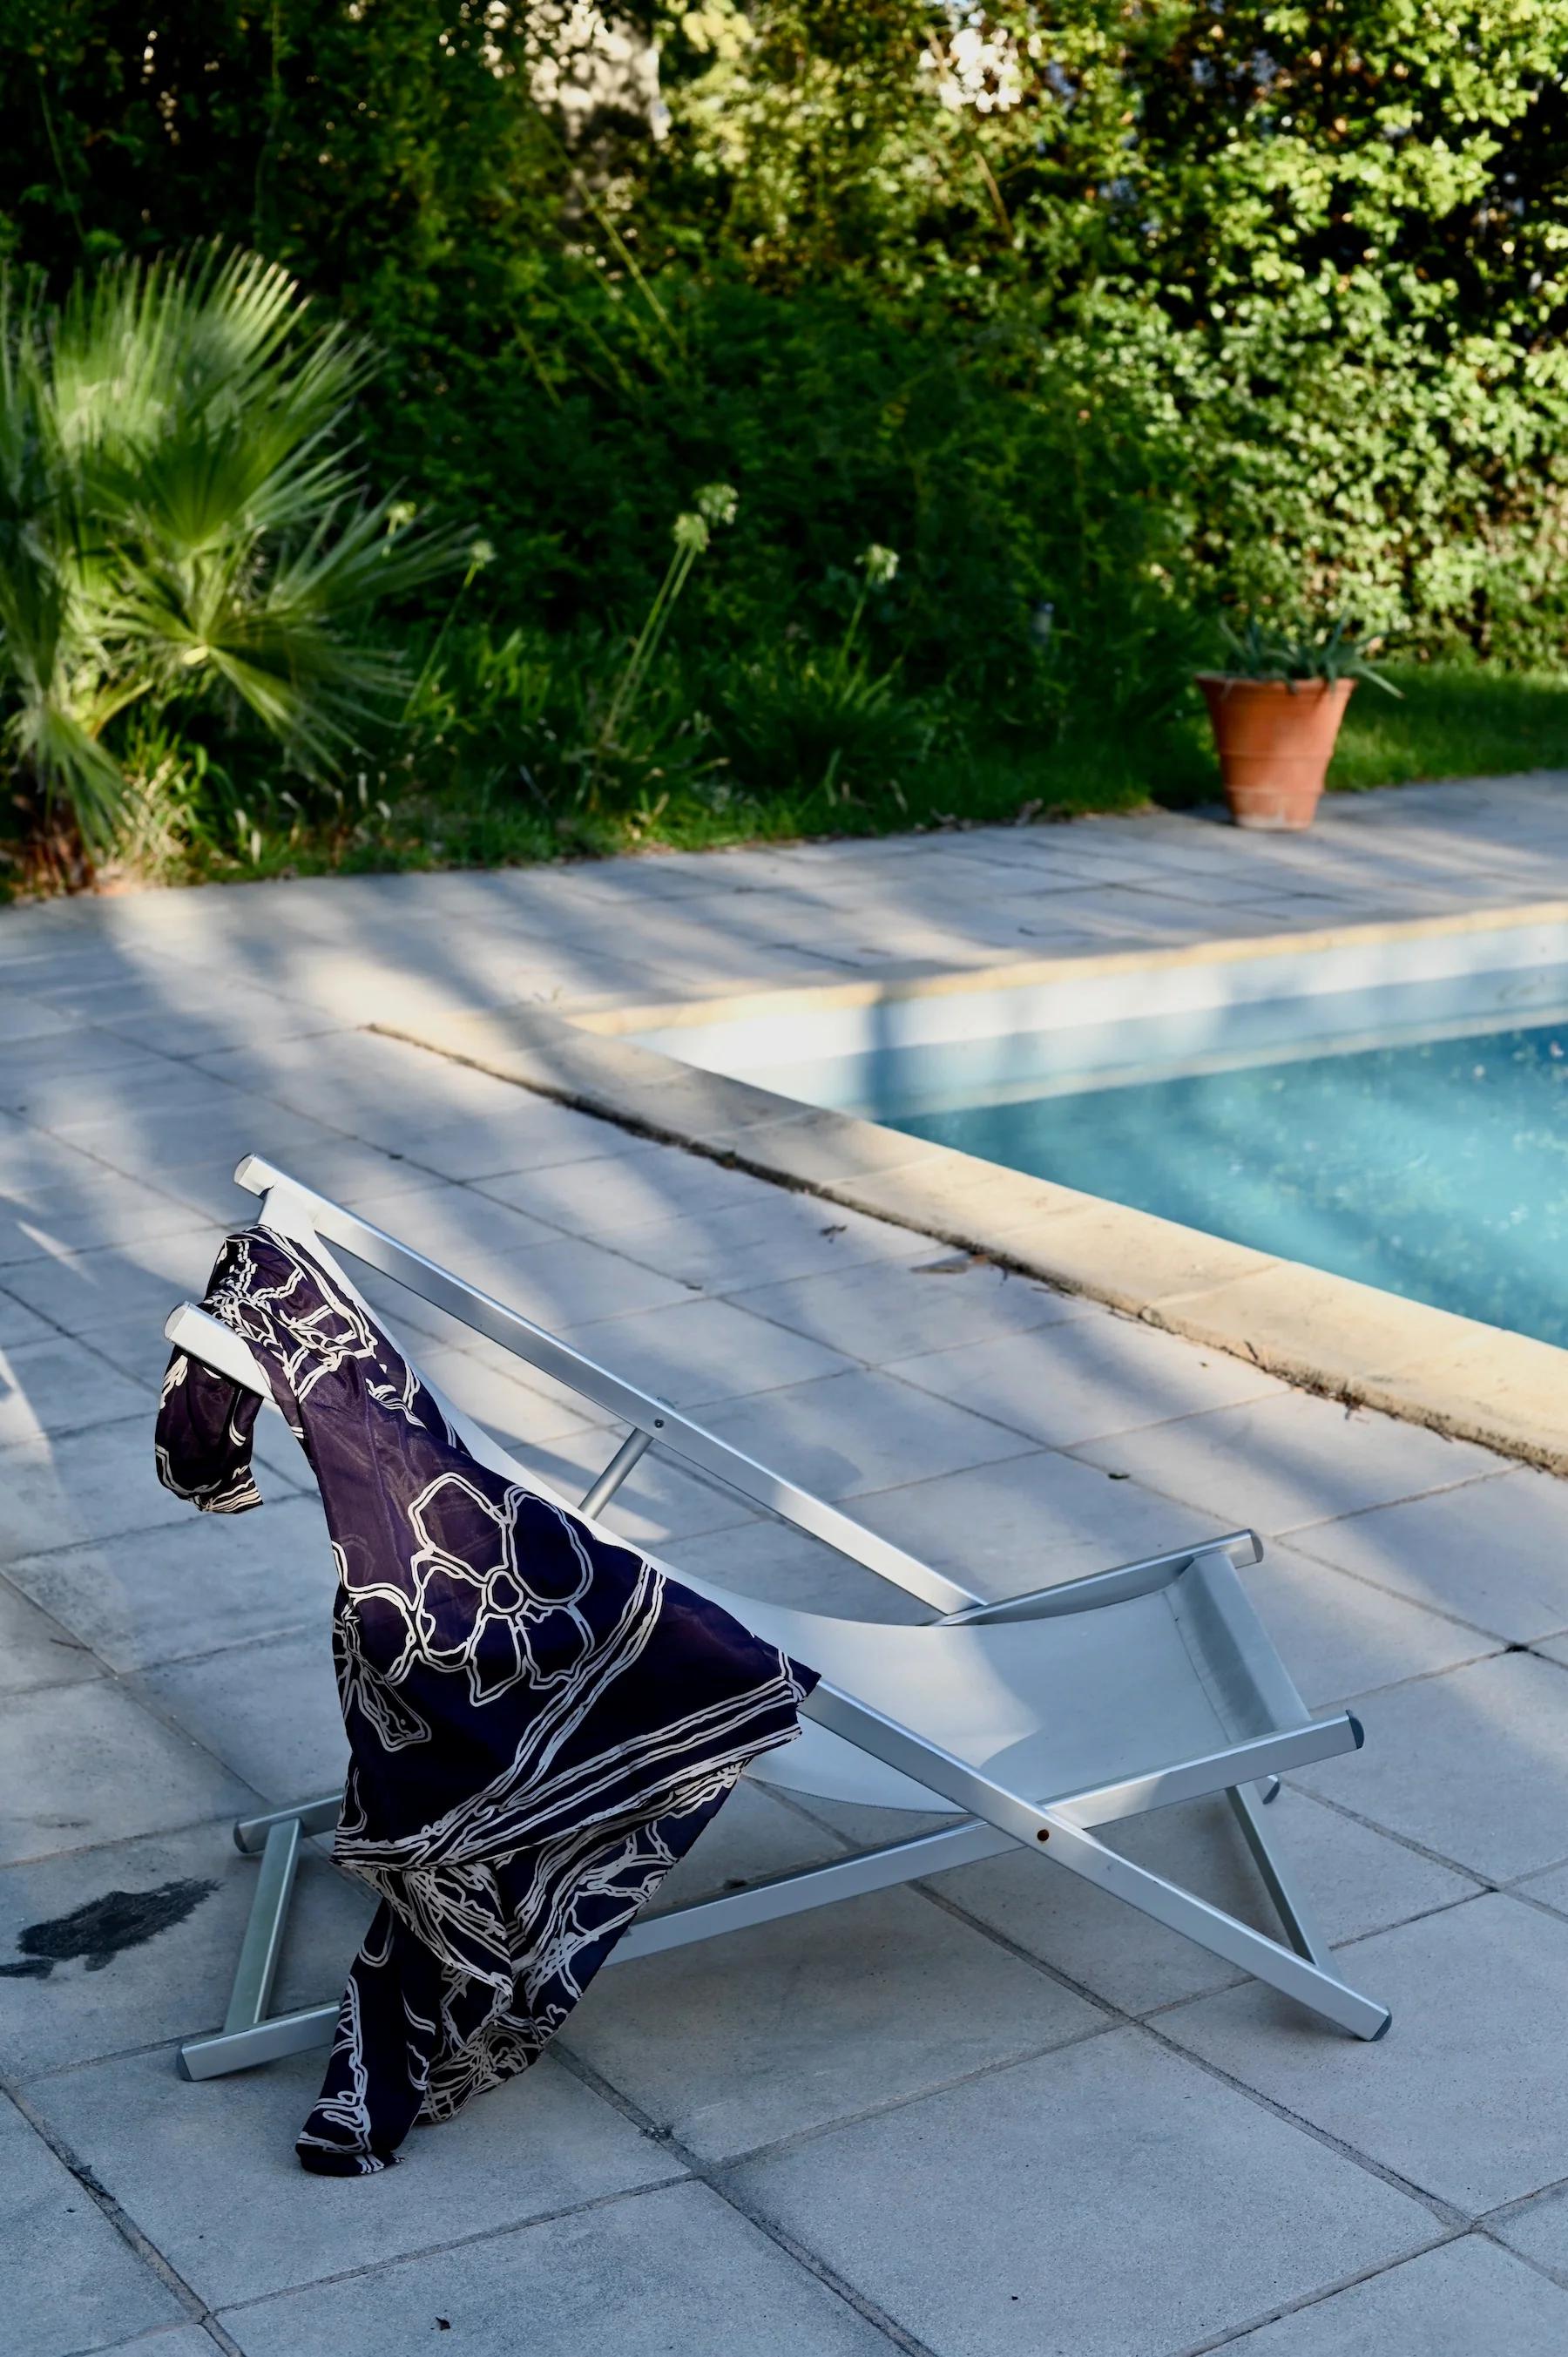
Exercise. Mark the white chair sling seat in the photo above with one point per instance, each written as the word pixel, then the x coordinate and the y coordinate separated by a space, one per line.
pixel 1026 1722
pixel 1051 1708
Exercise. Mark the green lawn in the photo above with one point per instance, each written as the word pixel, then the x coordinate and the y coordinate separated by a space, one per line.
pixel 1450 722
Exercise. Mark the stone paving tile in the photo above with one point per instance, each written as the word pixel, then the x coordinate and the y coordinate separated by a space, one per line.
pixel 1339 1637
pixel 94 1485
pixel 677 2269
pixel 342 1167
pixel 767 1242
pixel 659 1503
pixel 1467 2097
pixel 141 1939
pixel 269 1711
pixel 1539 2230
pixel 1473 1764
pixel 35 1651
pixel 18 1324
pixel 474 1146
pixel 630 1189
pixel 507 1404
pixel 193 1585
pixel 1281 1463
pixel 68 2281
pixel 139 1094
pixel 781 1564
pixel 26 1072
pixel 228 1022
pixel 754 1836
pixel 1494 1553
pixel 1094 2203
pixel 74 1291
pixel 349 1172
pixel 33 1019
pixel 1467 2296
pixel 844 1435
pixel 127 999
pixel 60 1386
pixel 879 1313
pixel 183 2340
pixel 700 1352
pixel 85 1764
pixel 450 1223
pixel 135 1345
pixel 34 1163
pixel 45 1220
pixel 1031 1521
pixel 347 1072
pixel 570 1281
pixel 220 1125
pixel 208 2171
pixel 759 2034
pixel 1353 1880
pixel 1548 1890
pixel 1085 1378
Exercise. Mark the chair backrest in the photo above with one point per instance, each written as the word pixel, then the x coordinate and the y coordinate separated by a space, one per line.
pixel 314 1221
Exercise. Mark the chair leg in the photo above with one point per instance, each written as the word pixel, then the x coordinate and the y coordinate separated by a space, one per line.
pixel 1311 1984
pixel 1295 1915
pixel 248 2036
pixel 311 1816
pixel 247 2040
pixel 817 1885
pixel 226 2051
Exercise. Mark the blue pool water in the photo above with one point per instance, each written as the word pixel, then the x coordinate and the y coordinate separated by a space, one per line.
pixel 1435 1167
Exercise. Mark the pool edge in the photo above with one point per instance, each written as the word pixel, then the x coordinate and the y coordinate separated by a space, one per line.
pixel 929 979
pixel 1328 1334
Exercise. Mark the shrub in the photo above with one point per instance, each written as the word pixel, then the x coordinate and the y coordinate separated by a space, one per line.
pixel 184 528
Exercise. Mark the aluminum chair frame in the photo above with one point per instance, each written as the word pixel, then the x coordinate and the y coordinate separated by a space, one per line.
pixel 994 1818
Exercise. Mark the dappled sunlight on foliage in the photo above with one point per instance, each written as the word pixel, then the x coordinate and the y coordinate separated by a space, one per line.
pixel 1109 320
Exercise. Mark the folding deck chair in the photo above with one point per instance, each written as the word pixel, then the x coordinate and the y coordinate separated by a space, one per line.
pixel 1031 1720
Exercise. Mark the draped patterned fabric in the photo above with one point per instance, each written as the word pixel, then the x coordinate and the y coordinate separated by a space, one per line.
pixel 540 1722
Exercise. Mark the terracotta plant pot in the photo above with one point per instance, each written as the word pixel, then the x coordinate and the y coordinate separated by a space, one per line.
pixel 1275 739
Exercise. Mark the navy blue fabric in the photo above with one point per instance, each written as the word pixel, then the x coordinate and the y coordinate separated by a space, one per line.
pixel 540 1722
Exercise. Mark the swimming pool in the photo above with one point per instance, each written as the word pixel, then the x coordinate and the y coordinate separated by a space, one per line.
pixel 1390 1106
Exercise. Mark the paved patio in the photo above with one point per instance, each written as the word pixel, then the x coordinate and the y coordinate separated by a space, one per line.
pixel 993 2117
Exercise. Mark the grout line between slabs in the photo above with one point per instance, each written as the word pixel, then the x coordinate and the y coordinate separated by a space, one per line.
pixel 712 2176
pixel 385 2264
pixel 147 2250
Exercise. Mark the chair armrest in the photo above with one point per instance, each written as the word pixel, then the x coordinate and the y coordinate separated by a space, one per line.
pixel 206 1338
pixel 1097 1588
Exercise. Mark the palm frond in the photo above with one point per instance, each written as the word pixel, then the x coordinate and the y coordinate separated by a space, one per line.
pixel 183 517
pixel 63 753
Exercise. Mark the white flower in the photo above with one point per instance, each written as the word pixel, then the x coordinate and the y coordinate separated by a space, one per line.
pixel 717 502
pixel 879 564
pixel 981 67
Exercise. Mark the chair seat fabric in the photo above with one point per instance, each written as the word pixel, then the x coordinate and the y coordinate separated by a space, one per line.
pixel 1046 1707
pixel 541 1721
